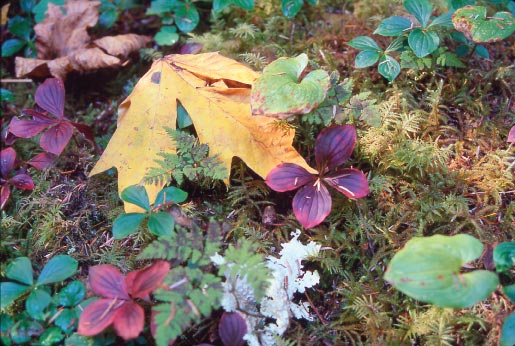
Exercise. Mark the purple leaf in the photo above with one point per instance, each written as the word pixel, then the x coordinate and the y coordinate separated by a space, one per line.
pixel 42 161
pixel 7 159
pixel 107 281
pixel 22 181
pixel 86 130
pixel 191 48
pixel 50 96
pixel 288 176
pixel 55 139
pixel 5 192
pixel 334 146
pixel 312 204
pixel 511 135
pixel 349 181
pixel 27 128
pixel 97 316
pixel 129 320
pixel 232 328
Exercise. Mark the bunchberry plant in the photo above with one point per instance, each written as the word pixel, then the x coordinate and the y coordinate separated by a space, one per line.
pixel 49 119
pixel 9 177
pixel 118 306
pixel 312 203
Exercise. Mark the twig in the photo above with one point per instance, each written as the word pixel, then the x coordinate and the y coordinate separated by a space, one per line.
pixel 324 322
pixel 12 80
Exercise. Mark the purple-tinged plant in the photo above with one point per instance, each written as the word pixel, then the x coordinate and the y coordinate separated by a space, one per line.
pixel 312 203
pixel 57 130
pixel 19 179
pixel 511 135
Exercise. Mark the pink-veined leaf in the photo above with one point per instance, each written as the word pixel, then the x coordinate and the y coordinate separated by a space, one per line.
pixel 288 176
pixel 349 181
pixel 5 192
pixel 334 145
pixel 148 279
pixel 129 320
pixel 7 159
pixel 42 160
pixel 312 204
pixel 107 281
pixel 29 128
pixel 55 139
pixel 511 135
pixel 50 96
pixel 22 181
pixel 232 328
pixel 97 316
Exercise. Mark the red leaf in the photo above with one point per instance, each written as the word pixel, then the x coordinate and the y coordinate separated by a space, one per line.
pixel 129 320
pixel 86 130
pixel 27 128
pixel 97 316
pixel 349 181
pixel 22 181
pixel 107 281
pixel 55 139
pixel 5 192
pixel 334 146
pixel 288 176
pixel 147 280
pixel 511 135
pixel 232 328
pixel 42 161
pixel 312 204
pixel 7 159
pixel 50 96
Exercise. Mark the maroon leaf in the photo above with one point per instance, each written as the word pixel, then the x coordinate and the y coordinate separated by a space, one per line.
pixel 50 96
pixel 288 176
pixel 129 320
pixel 190 48
pixel 7 159
pixel 22 181
pixel 349 181
pixel 147 280
pixel 312 204
pixel 107 281
pixel 28 128
pixel 55 139
pixel 334 146
pixel 97 316
pixel 42 161
pixel 5 192
pixel 232 328
pixel 86 130
pixel 511 135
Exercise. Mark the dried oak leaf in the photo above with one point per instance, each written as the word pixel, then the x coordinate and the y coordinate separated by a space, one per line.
pixel 215 91
pixel 64 45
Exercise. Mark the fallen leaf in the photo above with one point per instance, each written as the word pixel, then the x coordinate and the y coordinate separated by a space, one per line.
pixel 64 45
pixel 215 91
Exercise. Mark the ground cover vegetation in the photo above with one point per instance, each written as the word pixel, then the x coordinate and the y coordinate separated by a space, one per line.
pixel 280 172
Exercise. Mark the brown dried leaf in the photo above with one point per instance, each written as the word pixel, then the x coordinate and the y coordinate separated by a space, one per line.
pixel 122 45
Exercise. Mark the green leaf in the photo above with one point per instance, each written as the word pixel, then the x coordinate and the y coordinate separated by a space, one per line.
pixel 473 23
pixel 136 194
pixel 461 3
pixel 481 51
pixel 183 118
pixel 364 43
pixel 21 27
pixel 279 93
pixel 167 36
pixel 389 68
pixel 444 20
pixel 366 58
pixel 127 224
pixel 67 320
pixel 510 292
pixel 51 336
pixel 41 7
pixel 72 294
pixel 36 303
pixel 59 268
pixel 11 47
pixel 504 256
pixel 108 17
pixel 24 330
pixel 161 224
pixel 219 5
pixel 421 9
pixel 508 331
pixel 6 95
pixel 9 292
pixel 27 5
pixel 160 7
pixel 78 340
pixel 396 45
pixel 186 17
pixel 423 43
pixel 170 194
pixel 428 269
pixel 393 26
pixel 291 7
pixel 6 322
pixel 20 269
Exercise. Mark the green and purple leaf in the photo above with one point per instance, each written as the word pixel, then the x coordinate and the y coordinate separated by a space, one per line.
pixel 334 146
pixel 107 281
pixel 311 204
pixel 349 181
pixel 288 176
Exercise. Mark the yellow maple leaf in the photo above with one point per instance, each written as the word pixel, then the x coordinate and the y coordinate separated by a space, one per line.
pixel 215 91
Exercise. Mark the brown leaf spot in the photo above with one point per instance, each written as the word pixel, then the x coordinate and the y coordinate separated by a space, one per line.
pixel 156 77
